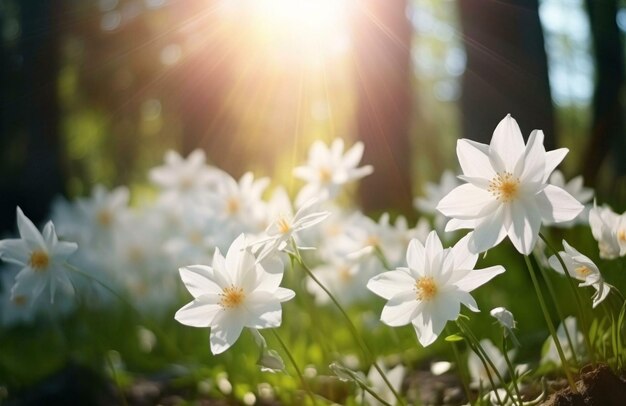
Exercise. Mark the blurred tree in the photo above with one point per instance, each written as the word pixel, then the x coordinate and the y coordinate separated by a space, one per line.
pixel 608 134
pixel 507 69
pixel 30 164
pixel 382 37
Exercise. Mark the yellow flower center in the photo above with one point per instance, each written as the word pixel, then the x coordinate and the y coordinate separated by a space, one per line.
pixel 504 187
pixel 232 297
pixel 325 175
pixel 582 271
pixel 283 225
pixel 104 218
pixel 621 235
pixel 20 300
pixel 344 274
pixel 232 205
pixel 426 288
pixel 195 237
pixel 372 241
pixel 39 260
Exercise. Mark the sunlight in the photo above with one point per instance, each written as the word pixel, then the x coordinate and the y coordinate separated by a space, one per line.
pixel 312 27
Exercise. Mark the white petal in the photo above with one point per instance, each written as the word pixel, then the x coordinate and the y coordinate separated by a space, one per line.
pixel 424 329
pixel 353 156
pixel 15 251
pixel 553 159
pixel 463 258
pixel 465 202
pixel 474 159
pixel 284 294
pixel 63 249
pixel 534 158
pixel 400 309
pixel 415 255
pixel 524 230
pixel 507 141
pixel 478 277
pixel 489 232
pixel 263 310
pixel 201 312
pixel 432 247
pixel 200 280
pixel 224 335
pixel 28 231
pixel 458 224
pixel 556 205
pixel 391 283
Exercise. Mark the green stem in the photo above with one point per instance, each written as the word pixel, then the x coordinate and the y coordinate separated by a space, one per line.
pixel 295 366
pixel 374 394
pixel 576 293
pixel 470 335
pixel 355 334
pixel 117 382
pixel 558 311
pixel 511 370
pixel 478 352
pixel 546 316
pixel 460 366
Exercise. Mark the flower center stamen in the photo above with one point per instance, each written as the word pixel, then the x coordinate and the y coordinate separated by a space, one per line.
pixel 232 205
pixel 426 288
pixel 232 296
pixel 582 271
pixel 325 175
pixel 504 187
pixel 621 235
pixel 104 218
pixel 39 260
pixel 283 225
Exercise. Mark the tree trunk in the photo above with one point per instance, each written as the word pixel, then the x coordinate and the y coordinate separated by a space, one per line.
pixel 607 131
pixel 30 171
pixel 382 40
pixel 507 69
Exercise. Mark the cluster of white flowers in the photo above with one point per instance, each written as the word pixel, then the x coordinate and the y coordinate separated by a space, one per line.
pixel 508 188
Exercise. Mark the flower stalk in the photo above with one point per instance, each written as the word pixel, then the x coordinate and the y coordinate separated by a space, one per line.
pixel 351 327
pixel 546 316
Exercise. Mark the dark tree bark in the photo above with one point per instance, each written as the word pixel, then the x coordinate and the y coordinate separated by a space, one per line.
pixel 30 170
pixel 507 69
pixel 382 37
pixel 608 134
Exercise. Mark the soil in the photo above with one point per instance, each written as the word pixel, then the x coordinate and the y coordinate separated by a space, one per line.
pixel 598 387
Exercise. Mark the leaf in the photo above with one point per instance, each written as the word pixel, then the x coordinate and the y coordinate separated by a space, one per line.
pixel 454 337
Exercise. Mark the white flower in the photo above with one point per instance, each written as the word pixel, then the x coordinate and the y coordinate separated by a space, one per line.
pixel 286 225
pixel 430 291
pixel 183 178
pixel 235 292
pixel 582 268
pixel 103 211
pixel 551 353
pixel 504 317
pixel 575 188
pixel 41 257
pixel 328 169
pixel 507 191
pixel 603 222
pixel 395 376
pixel 345 277
pixel 478 373
pixel 434 193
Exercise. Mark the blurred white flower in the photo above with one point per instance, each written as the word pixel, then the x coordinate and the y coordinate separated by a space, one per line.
pixel 507 191
pixel 183 178
pixel 395 376
pixel 575 188
pixel 345 277
pixel 582 268
pixel 285 226
pixel 478 373
pixel 603 222
pixel 434 193
pixel 42 258
pixel 430 291
pixel 235 292
pixel 102 212
pixel 551 354
pixel 328 169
